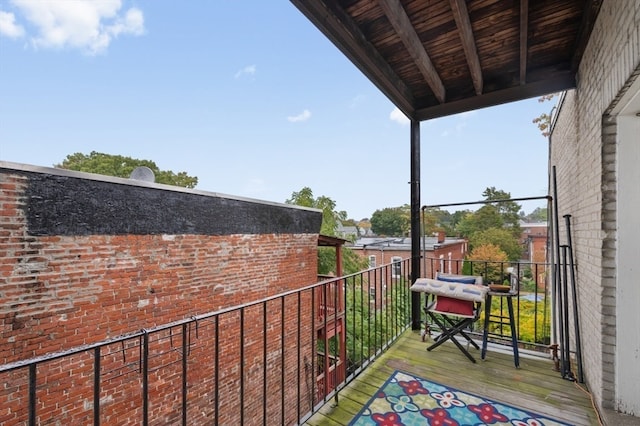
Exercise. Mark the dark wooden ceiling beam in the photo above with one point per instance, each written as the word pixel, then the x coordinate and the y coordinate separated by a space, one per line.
pixel 557 83
pixel 345 34
pixel 461 16
pixel 399 20
pixel 524 35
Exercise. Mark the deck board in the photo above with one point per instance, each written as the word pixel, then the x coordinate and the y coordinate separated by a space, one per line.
pixel 535 386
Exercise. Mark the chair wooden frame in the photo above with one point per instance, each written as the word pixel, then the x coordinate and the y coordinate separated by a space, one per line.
pixel 451 322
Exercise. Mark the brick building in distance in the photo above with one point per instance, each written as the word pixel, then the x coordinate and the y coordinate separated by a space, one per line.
pixel 440 253
pixel 534 241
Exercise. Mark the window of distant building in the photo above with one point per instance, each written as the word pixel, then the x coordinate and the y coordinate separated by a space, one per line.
pixel 396 267
pixel 372 261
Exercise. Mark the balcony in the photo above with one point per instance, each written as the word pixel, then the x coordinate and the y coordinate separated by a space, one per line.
pixel 281 359
pixel 534 386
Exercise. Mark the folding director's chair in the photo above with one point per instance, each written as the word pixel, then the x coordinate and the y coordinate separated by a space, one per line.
pixel 453 304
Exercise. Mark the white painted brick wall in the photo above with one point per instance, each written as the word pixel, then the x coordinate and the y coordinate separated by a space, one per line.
pixel 583 150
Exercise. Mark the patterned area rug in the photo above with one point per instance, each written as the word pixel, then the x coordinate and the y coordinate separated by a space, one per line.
pixel 408 400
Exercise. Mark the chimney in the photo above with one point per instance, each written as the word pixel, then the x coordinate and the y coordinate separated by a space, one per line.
pixel 441 237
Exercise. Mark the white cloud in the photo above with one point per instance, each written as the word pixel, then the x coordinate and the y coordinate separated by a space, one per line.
pixel 303 116
pixel 8 26
pixel 248 70
pixel 460 122
pixel 399 117
pixel 81 24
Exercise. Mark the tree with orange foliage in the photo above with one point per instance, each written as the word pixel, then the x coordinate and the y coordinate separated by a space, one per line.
pixel 491 260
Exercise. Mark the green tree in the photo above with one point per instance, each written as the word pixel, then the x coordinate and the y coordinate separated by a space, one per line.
pixel 430 223
pixel 368 328
pixel 508 210
pixel 351 261
pixel 391 221
pixel 120 166
pixel 437 220
pixel 499 237
pixel 330 216
pixel 455 219
pixel 485 218
pixel 538 215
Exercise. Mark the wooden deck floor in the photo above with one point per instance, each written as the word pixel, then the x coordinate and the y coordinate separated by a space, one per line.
pixel 535 386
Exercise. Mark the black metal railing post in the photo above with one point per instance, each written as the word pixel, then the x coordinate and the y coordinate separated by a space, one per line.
pixel 299 349
pixel 264 362
pixel 185 349
pixel 145 377
pixel 216 394
pixel 96 386
pixel 370 324
pixel 32 394
pixel 241 366
pixel 282 360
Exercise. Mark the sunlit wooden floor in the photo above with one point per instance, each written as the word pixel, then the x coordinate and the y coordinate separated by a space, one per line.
pixel 535 386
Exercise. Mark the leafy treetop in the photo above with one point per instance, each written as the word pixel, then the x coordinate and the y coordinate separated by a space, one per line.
pixel 496 224
pixel 391 221
pixel 492 262
pixel 543 121
pixel 351 261
pixel 121 166
pixel 537 215
pixel 330 216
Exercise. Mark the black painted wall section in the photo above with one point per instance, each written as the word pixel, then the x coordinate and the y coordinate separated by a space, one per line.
pixel 62 205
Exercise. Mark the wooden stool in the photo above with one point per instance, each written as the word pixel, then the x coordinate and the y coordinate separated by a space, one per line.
pixel 501 320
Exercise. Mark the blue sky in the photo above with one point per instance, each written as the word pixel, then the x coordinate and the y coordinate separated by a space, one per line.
pixel 246 95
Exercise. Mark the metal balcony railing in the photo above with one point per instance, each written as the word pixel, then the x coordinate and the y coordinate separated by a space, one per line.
pixel 275 360
pixel 532 303
pixel 259 363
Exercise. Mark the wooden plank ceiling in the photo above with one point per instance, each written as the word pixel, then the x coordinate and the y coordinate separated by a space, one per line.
pixel 438 57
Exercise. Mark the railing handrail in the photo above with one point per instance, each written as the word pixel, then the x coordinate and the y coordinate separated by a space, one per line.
pixel 82 348
pixel 105 342
pixel 382 317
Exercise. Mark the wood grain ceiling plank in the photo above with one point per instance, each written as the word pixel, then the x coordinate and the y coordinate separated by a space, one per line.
pixel 402 24
pixel 524 31
pixel 461 16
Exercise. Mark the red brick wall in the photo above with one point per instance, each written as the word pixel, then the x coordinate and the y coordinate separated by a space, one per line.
pixel 61 291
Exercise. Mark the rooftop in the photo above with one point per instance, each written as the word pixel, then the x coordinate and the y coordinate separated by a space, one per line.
pixel 402 243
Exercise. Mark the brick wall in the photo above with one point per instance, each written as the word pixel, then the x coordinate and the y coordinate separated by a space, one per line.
pixel 85 258
pixel 583 151
pixel 432 263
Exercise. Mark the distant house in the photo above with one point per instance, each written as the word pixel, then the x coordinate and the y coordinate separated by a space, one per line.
pixel 440 253
pixel 347 232
pixel 534 241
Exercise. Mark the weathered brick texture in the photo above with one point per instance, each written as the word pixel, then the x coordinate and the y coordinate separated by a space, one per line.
pixel 76 287
pixel 583 148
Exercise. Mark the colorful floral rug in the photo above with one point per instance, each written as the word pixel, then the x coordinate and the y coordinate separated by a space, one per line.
pixel 411 401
